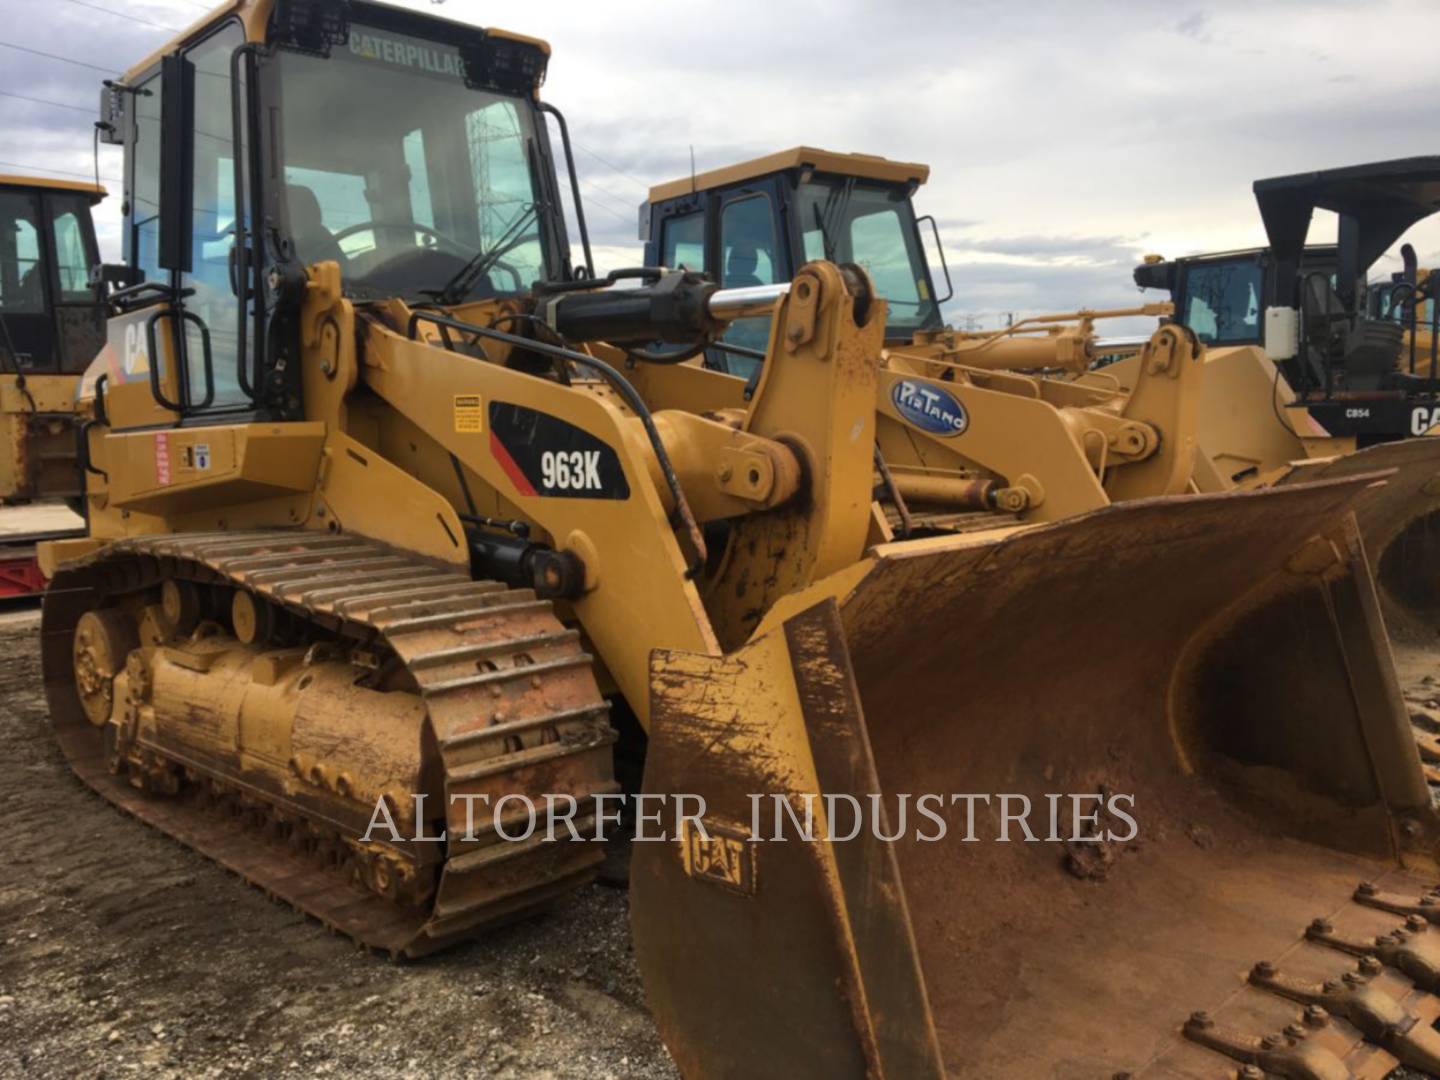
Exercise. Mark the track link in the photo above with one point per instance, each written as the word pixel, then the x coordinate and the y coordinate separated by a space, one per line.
pixel 510 698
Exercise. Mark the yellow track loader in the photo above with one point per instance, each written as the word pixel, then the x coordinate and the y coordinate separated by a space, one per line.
pixel 391 505
pixel 51 326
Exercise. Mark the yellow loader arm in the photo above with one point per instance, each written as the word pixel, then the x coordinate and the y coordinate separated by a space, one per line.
pixel 1056 448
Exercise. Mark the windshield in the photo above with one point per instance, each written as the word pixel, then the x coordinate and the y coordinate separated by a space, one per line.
pixel 1222 301
pixel 872 224
pixel 408 179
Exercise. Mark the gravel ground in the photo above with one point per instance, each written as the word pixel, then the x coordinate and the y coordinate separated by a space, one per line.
pixel 122 953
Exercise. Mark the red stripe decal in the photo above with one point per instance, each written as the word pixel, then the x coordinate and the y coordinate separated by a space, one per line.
pixel 518 478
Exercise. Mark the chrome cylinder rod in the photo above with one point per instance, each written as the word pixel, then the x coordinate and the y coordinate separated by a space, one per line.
pixel 728 305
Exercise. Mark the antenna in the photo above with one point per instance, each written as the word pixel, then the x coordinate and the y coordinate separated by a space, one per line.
pixel 692 168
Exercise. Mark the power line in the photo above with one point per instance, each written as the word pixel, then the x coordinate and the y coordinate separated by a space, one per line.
pixel 52 56
pixel 41 101
pixel 125 15
pixel 613 213
pixel 606 206
pixel 615 168
pixel 609 196
pixel 63 172
pixel 618 199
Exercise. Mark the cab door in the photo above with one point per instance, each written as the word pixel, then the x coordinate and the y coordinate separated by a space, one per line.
pixel 175 347
pixel 748 254
pixel 27 334
pixel 736 236
pixel 78 317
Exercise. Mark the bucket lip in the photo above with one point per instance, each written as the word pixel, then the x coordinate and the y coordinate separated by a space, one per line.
pixel 1383 459
pixel 1291 513
pixel 1339 492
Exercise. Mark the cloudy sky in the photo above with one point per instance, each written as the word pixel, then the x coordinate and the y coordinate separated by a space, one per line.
pixel 1065 139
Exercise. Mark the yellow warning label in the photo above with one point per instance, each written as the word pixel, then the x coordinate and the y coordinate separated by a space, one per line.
pixel 469 417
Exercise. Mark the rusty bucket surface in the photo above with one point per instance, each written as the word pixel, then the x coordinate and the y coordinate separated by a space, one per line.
pixel 1220 660
pixel 1400 526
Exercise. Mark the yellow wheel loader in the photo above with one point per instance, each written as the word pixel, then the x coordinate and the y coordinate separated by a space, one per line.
pixel 391 505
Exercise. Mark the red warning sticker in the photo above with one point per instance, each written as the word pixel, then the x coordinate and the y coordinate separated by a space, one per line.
pixel 162 458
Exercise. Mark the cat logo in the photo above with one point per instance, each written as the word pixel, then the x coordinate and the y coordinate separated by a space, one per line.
pixel 1423 418
pixel 136 360
pixel 723 858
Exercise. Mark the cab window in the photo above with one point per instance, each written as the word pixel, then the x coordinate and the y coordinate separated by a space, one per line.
pixel 877 240
pixel 747 259
pixel 683 241
pixel 747 243
pixel 22 275
pixel 144 238
pixel 213 219
pixel 870 223
pixel 72 261
pixel 1222 301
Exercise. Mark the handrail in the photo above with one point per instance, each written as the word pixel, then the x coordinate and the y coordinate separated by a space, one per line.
pixel 242 262
pixel 181 361
pixel 546 107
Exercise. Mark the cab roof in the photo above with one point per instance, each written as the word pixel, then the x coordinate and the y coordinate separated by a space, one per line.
pixel 861 166
pixel 254 14
pixel 1161 273
pixel 1381 199
pixel 47 183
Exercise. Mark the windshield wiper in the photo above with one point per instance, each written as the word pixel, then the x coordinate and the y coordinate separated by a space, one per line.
pixel 455 290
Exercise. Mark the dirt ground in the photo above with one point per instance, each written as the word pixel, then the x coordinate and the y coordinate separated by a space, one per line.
pixel 122 953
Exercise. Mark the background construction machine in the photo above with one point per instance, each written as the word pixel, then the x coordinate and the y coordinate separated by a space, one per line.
pixel 51 326
pixel 1059 437
pixel 1306 362
pixel 1036 448
pixel 1253 418
pixel 387 500
pixel 1339 344
pixel 1220 295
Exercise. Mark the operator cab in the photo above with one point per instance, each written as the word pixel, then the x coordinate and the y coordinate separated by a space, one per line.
pixel 758 222
pixel 50 320
pixel 1342 345
pixel 411 151
pixel 1221 296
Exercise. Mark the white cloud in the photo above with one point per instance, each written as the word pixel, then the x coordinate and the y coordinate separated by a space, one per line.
pixel 1064 139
